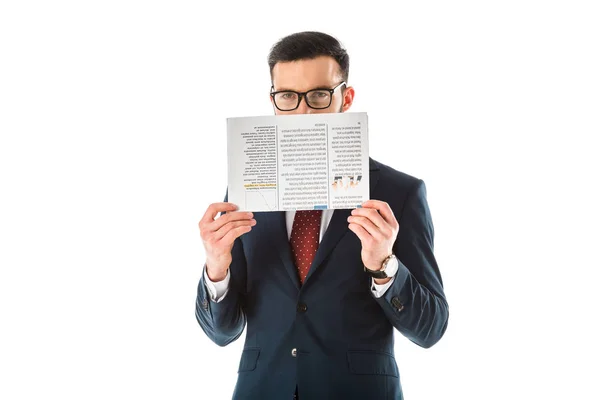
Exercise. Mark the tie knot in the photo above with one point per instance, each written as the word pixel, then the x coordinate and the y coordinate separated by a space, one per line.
pixel 309 214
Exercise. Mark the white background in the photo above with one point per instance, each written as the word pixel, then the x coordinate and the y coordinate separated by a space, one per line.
pixel 112 122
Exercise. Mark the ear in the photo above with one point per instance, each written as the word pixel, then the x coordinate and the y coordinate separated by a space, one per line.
pixel 348 98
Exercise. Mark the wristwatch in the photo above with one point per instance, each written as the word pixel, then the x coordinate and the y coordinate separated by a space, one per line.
pixel 389 268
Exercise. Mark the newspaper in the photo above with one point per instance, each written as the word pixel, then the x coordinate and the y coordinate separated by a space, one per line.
pixel 298 162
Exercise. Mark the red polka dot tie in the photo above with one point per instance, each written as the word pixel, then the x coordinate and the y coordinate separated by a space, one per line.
pixel 305 239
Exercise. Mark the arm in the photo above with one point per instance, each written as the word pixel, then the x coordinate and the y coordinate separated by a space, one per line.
pixel 223 318
pixel 415 303
pixel 224 321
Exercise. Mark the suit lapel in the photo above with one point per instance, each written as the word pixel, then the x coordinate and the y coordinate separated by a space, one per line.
pixel 338 226
pixel 279 237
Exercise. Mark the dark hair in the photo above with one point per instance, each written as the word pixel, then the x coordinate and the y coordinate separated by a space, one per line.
pixel 309 45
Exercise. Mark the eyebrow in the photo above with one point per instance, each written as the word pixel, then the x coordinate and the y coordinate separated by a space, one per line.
pixel 284 89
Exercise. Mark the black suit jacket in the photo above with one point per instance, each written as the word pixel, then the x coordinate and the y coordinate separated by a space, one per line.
pixel 330 337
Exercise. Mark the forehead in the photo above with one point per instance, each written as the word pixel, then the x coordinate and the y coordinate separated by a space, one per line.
pixel 302 75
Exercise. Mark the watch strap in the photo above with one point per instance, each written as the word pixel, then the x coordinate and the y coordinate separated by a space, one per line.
pixel 382 273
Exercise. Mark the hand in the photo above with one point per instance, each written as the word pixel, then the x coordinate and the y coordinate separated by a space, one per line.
pixel 219 234
pixel 377 228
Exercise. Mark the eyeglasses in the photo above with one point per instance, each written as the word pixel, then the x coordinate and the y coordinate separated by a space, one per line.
pixel 288 100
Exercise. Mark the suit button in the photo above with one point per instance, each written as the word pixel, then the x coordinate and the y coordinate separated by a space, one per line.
pixel 301 308
pixel 396 303
pixel 294 352
pixel 205 304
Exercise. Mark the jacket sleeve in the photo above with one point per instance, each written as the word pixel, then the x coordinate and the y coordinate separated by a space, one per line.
pixel 415 304
pixel 224 322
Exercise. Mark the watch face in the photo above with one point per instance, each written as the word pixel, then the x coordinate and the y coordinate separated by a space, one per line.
pixel 391 266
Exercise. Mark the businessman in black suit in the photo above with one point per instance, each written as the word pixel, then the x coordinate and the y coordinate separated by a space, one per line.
pixel 321 291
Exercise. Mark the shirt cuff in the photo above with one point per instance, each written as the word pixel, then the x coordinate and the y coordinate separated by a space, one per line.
pixel 379 290
pixel 217 290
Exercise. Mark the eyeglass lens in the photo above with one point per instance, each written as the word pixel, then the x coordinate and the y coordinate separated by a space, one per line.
pixel 314 98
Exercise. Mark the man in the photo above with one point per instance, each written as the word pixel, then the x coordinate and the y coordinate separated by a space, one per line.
pixel 320 324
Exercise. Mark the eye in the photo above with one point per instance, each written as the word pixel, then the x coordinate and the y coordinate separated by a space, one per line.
pixel 319 95
pixel 287 96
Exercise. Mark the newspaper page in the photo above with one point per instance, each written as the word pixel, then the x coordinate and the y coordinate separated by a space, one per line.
pixel 298 162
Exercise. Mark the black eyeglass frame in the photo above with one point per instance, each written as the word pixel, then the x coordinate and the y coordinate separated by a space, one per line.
pixel 303 94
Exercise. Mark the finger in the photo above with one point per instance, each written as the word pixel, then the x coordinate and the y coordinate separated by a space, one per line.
pixel 384 209
pixel 227 218
pixel 221 233
pixel 368 226
pixel 215 208
pixel 374 216
pixel 235 233
pixel 362 234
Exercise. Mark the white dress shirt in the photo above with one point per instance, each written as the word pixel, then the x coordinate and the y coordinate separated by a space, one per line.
pixel 218 290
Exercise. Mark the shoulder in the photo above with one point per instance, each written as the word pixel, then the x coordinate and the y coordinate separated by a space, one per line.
pixel 405 194
pixel 391 180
